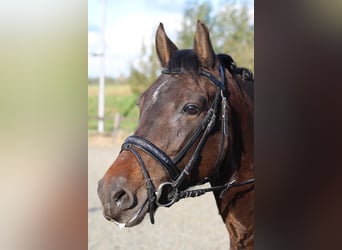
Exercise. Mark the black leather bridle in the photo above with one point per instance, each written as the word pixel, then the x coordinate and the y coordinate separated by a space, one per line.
pixel 168 192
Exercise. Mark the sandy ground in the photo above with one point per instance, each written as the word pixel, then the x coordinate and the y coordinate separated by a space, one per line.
pixel 188 224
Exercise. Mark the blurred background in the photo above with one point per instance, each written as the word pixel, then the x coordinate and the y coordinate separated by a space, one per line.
pixel 122 63
pixel 122 58
pixel 43 124
pixel 44 95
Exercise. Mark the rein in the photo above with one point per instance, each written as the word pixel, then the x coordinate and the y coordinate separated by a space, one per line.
pixel 168 192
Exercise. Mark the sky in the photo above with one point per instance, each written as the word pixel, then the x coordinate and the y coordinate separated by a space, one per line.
pixel 128 24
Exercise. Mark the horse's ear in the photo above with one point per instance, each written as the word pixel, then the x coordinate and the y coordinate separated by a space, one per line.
pixel 164 46
pixel 203 47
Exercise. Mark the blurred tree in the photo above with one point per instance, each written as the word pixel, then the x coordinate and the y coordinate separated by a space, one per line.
pixel 230 29
pixel 145 72
pixel 195 10
pixel 231 33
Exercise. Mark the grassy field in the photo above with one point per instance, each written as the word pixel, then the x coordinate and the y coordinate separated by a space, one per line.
pixel 118 99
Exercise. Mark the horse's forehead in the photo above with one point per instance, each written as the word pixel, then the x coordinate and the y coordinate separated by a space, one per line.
pixel 163 86
pixel 172 87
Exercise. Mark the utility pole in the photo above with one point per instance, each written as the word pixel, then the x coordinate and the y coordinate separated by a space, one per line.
pixel 101 100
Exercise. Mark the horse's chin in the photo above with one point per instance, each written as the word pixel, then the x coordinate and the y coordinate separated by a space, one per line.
pixel 136 218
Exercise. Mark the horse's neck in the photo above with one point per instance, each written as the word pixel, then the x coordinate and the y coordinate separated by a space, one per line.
pixel 237 211
pixel 237 205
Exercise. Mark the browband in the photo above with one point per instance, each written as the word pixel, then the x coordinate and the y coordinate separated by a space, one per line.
pixel 212 78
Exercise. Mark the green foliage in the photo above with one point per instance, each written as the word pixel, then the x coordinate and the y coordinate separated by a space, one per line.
pixel 234 35
pixel 120 80
pixel 118 99
pixel 194 11
pixel 142 75
pixel 230 30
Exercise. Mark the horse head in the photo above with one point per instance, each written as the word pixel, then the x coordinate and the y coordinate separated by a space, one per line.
pixel 186 132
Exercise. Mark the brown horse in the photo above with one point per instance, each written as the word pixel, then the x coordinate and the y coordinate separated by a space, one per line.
pixel 195 126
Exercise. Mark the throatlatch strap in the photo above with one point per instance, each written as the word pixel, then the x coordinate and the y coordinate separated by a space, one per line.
pixel 216 81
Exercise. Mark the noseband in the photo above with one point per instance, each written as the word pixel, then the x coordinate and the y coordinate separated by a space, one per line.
pixel 169 192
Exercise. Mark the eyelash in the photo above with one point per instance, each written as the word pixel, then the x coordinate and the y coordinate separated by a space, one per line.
pixel 191 109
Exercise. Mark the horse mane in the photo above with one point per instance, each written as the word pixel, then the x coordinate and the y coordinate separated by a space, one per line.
pixel 186 60
pixel 242 76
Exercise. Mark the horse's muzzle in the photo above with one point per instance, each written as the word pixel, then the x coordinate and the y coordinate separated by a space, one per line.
pixel 115 198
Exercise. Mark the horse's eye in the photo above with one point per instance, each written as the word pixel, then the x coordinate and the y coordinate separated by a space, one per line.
pixel 191 109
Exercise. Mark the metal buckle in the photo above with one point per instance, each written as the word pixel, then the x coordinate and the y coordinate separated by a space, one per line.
pixel 166 194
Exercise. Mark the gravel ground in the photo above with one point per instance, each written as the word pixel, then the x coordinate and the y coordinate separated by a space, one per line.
pixel 188 224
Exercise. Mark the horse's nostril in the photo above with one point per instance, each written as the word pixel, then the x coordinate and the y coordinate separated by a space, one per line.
pixel 118 196
pixel 122 199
